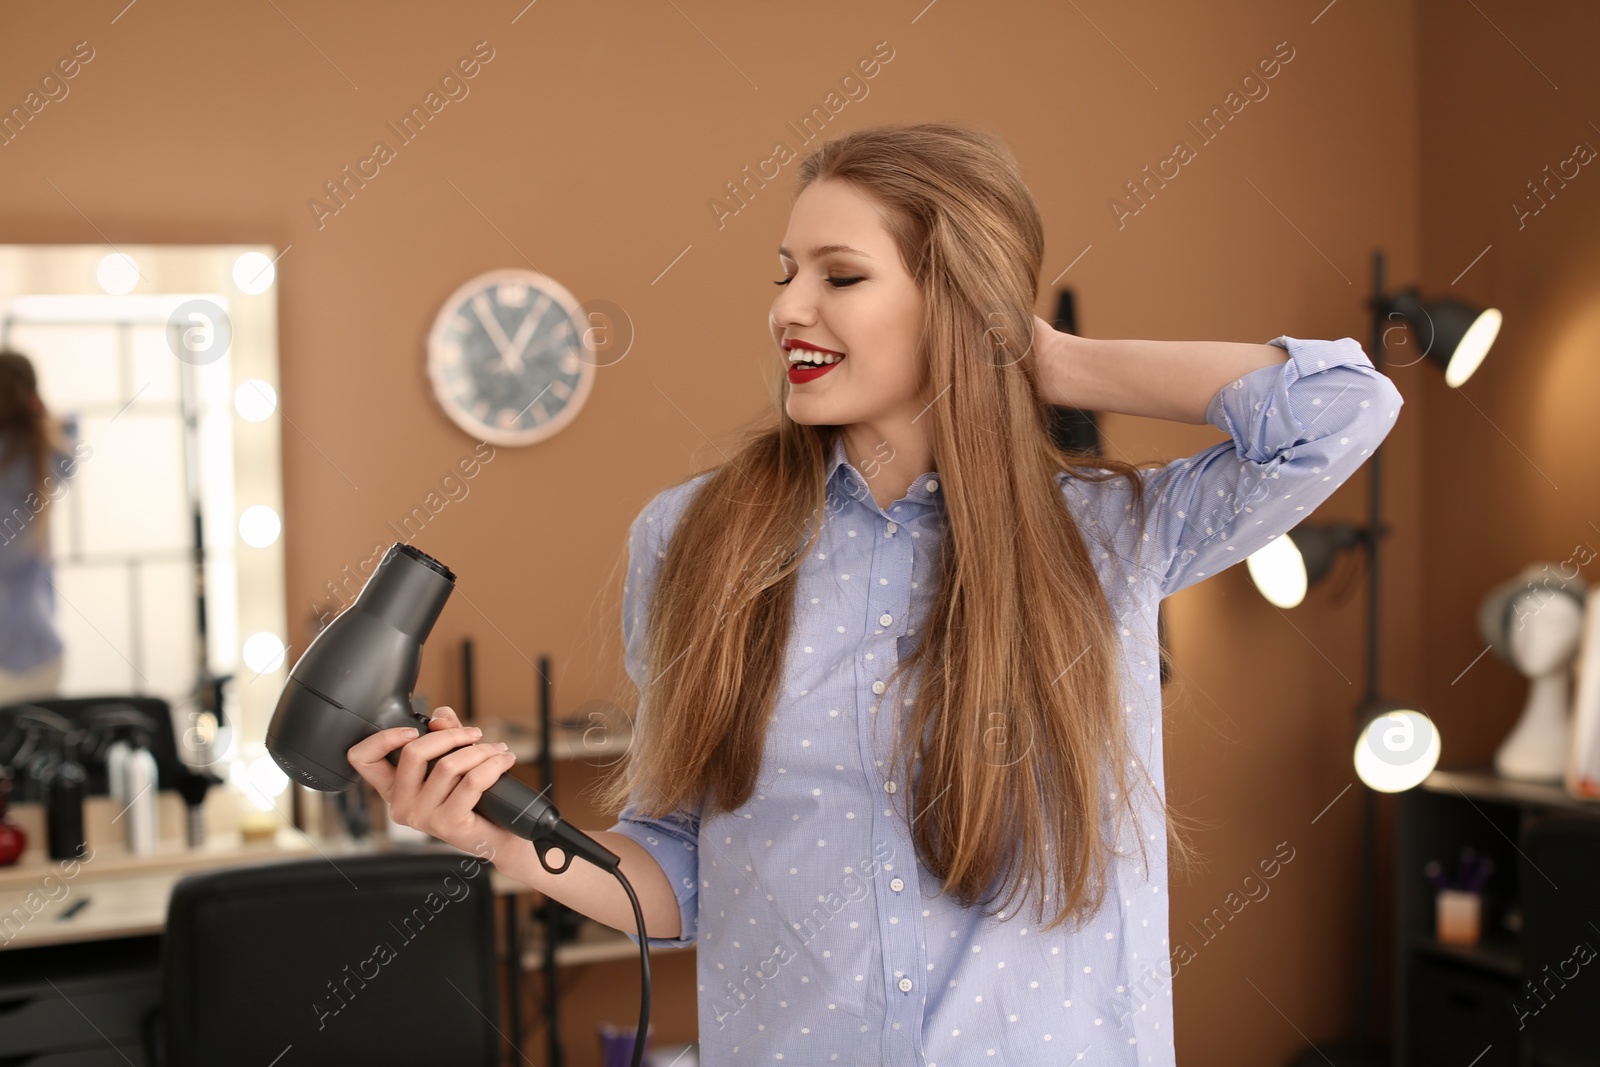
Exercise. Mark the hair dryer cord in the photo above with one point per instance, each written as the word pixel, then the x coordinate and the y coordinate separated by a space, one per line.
pixel 643 1031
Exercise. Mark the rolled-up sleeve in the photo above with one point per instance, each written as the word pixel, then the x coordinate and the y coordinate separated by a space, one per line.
pixel 673 841
pixel 1297 430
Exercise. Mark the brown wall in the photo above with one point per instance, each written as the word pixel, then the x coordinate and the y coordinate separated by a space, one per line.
pixel 1511 458
pixel 589 148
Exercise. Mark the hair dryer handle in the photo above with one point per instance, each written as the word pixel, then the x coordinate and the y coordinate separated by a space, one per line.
pixel 514 805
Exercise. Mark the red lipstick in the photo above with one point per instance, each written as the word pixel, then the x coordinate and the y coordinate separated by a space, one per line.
pixel 800 372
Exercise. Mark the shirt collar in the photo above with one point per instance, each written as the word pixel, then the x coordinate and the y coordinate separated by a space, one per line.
pixel 836 458
pixel 843 475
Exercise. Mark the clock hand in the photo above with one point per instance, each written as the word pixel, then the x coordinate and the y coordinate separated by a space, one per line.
pixel 530 322
pixel 491 325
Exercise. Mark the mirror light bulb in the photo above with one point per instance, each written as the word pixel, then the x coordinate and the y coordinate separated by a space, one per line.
pixel 117 273
pixel 263 652
pixel 261 780
pixel 259 526
pixel 253 273
pixel 255 400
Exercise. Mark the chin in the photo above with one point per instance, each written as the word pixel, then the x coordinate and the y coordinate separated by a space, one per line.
pixel 806 418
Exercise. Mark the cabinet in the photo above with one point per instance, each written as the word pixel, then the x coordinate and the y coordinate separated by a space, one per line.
pixel 1454 1003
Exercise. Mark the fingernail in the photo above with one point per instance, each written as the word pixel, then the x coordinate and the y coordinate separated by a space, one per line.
pixel 502 746
pixel 410 732
pixel 475 731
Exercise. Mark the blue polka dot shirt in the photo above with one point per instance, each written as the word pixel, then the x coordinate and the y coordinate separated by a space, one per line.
pixel 820 938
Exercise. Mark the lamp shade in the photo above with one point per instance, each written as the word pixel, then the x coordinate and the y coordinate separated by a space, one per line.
pixel 1452 334
pixel 1285 567
pixel 1397 748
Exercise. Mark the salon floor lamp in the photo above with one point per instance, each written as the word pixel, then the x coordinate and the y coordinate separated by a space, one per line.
pixel 1397 746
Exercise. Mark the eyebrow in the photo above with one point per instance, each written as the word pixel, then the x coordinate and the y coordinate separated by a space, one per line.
pixel 823 250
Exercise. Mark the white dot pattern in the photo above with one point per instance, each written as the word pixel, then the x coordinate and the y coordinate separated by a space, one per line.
pixel 820 937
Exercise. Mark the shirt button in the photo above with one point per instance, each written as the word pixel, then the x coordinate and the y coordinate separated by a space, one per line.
pixel 885 619
pixel 933 485
pixel 888 787
pixel 897 884
pixel 905 985
pixel 878 687
pixel 893 527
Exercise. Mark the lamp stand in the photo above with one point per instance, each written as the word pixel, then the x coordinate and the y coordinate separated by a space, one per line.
pixel 1362 1050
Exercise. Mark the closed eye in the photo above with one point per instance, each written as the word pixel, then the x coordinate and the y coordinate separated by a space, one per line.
pixel 837 283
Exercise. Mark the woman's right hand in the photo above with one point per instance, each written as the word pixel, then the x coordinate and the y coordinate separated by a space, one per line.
pixel 439 802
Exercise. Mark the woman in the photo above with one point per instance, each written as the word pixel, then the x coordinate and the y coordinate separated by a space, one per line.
pixel 36 458
pixel 900 653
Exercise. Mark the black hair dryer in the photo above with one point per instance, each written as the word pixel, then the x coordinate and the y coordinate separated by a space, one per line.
pixel 356 678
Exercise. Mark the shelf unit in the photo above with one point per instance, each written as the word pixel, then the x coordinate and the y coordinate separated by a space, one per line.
pixel 1453 1002
pixel 594 944
pixel 591 942
pixel 566 745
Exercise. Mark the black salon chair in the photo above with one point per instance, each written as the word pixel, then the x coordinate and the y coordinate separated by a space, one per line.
pixel 372 958
pixel 1560 928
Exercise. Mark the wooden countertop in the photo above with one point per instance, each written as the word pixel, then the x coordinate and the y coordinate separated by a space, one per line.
pixel 127 894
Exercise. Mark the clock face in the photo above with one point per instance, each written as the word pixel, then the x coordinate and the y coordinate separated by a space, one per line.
pixel 510 357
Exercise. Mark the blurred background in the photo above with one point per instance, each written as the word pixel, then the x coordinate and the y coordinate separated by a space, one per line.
pixel 334 189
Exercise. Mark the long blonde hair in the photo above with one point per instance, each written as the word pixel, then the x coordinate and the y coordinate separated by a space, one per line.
pixel 1019 598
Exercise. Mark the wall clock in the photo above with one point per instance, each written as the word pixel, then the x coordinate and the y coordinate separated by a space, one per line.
pixel 510 357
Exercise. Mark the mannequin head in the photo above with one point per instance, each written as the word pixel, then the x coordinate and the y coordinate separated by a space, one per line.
pixel 1534 621
pixel 1543 631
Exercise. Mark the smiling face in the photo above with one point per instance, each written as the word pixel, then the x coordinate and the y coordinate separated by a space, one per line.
pixel 845 290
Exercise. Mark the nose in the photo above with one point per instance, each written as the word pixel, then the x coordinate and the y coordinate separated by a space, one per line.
pixel 793 306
